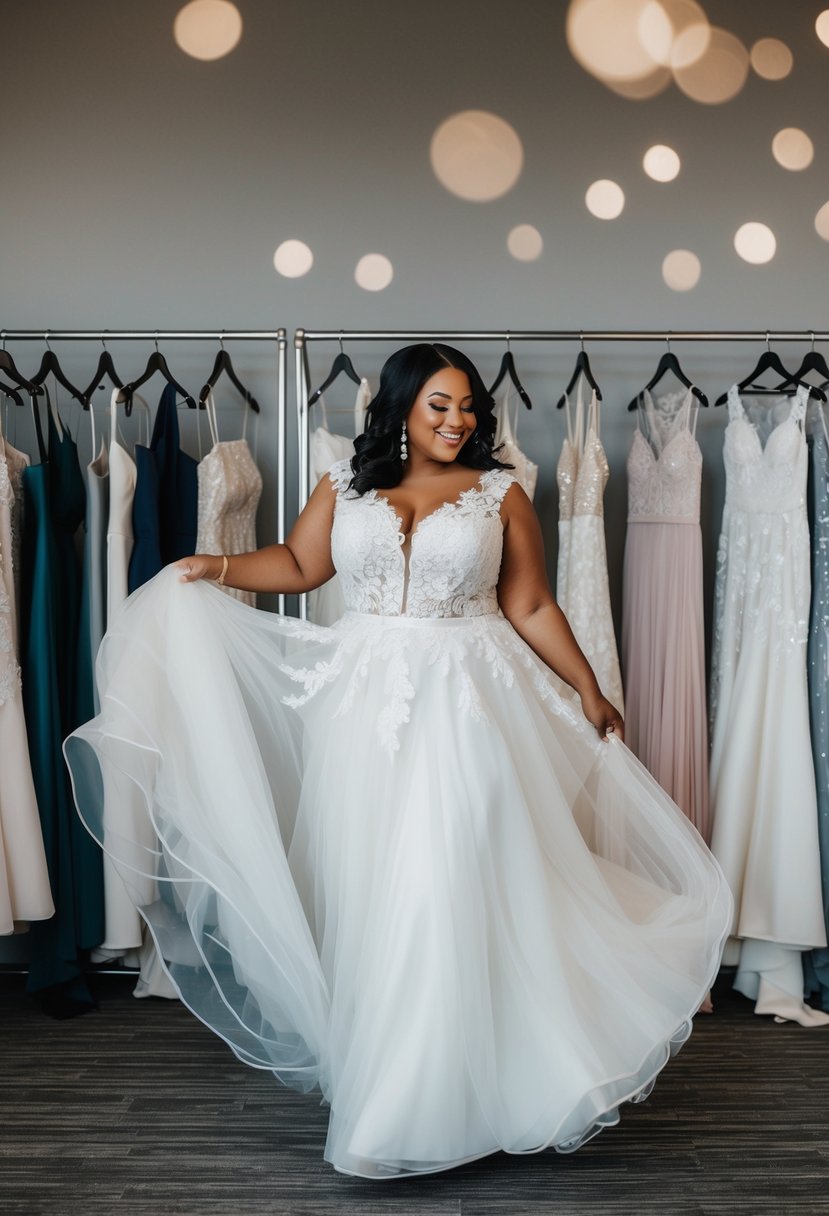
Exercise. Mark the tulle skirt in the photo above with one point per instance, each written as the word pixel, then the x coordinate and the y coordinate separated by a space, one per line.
pixel 391 859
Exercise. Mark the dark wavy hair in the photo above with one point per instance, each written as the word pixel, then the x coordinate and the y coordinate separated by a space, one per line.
pixel 376 463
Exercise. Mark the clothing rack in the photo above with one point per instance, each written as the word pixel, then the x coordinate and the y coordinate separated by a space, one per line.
pixel 302 337
pixel 279 336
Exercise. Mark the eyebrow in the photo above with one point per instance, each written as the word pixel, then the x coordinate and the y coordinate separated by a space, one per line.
pixel 446 396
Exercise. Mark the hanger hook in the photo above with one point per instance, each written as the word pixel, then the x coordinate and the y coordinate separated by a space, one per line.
pixel 812 332
pixel 581 340
pixel 222 339
pixel 340 340
pixel 768 343
pixel 46 340
pixel 509 348
pixel 103 342
pixel 668 341
pixel 156 340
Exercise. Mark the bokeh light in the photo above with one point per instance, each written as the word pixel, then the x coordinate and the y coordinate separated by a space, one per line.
pixel 293 259
pixel 771 59
pixel 604 37
pixel 793 149
pixel 661 163
pixel 822 26
pixel 605 199
pixel 755 242
pixel 674 32
pixel 822 222
pixel 374 272
pixel 719 74
pixel 525 243
pixel 208 29
pixel 477 155
pixel 681 270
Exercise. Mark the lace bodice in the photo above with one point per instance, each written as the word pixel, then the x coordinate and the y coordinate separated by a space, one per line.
pixel 454 552
pixel 664 464
pixel 582 470
pixel 766 477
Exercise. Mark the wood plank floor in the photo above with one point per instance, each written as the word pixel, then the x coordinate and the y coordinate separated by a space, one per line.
pixel 139 1110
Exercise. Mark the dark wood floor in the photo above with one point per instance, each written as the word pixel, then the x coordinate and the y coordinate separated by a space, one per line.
pixel 136 1108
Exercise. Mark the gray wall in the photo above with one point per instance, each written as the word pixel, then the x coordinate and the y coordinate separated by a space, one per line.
pixel 142 188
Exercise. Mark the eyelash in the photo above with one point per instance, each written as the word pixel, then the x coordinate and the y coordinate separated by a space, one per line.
pixel 469 409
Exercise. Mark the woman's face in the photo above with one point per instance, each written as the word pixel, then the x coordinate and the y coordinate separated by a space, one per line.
pixel 441 418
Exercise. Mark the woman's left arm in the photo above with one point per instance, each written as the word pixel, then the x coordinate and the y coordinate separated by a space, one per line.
pixel 526 600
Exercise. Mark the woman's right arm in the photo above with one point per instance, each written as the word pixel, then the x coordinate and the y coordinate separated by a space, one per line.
pixel 302 563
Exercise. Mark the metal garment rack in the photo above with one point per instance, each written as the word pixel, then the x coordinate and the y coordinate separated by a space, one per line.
pixel 302 338
pixel 279 336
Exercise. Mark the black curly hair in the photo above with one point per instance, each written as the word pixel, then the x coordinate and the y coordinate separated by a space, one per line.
pixel 376 463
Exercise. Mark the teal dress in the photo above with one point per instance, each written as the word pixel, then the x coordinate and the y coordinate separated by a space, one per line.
pixel 57 697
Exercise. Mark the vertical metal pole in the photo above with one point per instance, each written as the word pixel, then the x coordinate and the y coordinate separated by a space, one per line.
pixel 303 472
pixel 281 463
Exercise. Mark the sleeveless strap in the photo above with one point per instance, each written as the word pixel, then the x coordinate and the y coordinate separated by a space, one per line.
pixel 800 402
pixel 340 474
pixel 496 482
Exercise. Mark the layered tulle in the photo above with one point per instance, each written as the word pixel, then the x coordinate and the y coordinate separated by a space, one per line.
pixel 394 861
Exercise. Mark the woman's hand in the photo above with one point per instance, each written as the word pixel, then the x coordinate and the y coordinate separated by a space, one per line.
pixel 200 565
pixel 604 716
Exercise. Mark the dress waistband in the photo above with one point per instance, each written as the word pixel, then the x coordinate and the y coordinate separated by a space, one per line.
pixel 662 519
pixel 419 622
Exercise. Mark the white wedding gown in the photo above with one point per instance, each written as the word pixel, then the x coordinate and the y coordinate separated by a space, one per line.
pixel 395 861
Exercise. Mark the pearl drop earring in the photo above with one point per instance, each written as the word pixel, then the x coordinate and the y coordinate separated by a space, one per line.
pixel 404 451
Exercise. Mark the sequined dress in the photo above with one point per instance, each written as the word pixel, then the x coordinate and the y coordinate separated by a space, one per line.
pixel 230 486
pixel 762 778
pixel 406 869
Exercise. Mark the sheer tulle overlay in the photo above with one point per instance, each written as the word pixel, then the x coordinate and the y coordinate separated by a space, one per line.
pixel 393 860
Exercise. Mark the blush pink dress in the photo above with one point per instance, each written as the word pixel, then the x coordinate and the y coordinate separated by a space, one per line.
pixel 663 643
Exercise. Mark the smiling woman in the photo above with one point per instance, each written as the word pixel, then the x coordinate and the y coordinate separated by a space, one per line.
pixel 399 858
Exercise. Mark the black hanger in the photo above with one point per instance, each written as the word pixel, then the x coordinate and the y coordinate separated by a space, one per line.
pixel 508 368
pixel 155 363
pixel 8 391
pixel 224 364
pixel 813 361
pixel 105 368
pixel 50 363
pixel 582 368
pixel 341 364
pixel 769 361
pixel 669 363
pixel 8 366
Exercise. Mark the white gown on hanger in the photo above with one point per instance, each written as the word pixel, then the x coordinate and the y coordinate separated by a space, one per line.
pixel 764 803
pixel 326 604
pixel 582 584
pixel 525 470
pixel 405 867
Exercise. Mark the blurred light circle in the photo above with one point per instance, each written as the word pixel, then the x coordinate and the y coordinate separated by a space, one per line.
pixel 293 259
pixel 755 242
pixel 719 74
pixel 681 270
pixel 603 36
pixel 793 149
pixel 822 26
pixel 674 32
pixel 525 243
pixel 605 199
pixel 208 29
pixel 661 163
pixel 644 87
pixel 476 155
pixel 771 59
pixel 822 222
pixel 374 272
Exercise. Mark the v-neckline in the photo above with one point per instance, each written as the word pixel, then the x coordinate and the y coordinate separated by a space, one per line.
pixel 743 417
pixel 444 506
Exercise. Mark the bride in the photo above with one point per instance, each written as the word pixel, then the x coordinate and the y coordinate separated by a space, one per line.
pixel 406 859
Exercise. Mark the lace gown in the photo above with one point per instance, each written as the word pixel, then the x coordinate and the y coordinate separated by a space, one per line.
pixel 663 640
pixel 762 778
pixel 406 869
pixel 582 587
